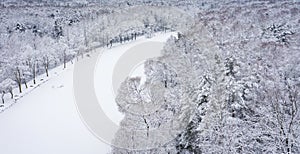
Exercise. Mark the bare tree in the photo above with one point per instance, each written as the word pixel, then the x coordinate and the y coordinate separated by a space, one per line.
pixel 285 112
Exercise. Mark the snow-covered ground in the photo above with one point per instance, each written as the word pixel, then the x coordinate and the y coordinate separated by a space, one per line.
pixel 45 119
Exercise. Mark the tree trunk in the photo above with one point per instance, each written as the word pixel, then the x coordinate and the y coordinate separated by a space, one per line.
pixel 166 84
pixel 20 87
pixel 77 55
pixel 11 93
pixel 34 73
pixel 2 97
pixel 25 83
pixel 18 79
pixel 47 73
pixel 85 36
pixel 46 65
pixel 65 60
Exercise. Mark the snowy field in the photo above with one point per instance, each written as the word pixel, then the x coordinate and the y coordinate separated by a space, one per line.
pixel 45 119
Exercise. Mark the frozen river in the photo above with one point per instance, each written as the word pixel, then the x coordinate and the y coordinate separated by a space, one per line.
pixel 47 120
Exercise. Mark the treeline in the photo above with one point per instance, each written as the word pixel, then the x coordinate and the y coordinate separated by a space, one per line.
pixel 29 50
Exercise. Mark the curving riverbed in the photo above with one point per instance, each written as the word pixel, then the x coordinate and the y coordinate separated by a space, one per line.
pixel 47 120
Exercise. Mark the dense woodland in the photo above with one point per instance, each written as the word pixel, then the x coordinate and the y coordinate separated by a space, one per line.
pixel 229 82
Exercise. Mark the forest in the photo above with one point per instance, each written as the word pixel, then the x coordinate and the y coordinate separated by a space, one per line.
pixel 228 82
